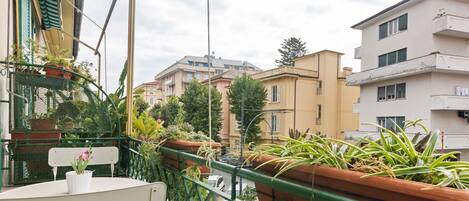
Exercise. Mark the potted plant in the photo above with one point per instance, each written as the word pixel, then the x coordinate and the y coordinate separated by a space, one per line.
pixel 392 167
pixel 182 137
pixel 79 180
pixel 56 61
pixel 21 55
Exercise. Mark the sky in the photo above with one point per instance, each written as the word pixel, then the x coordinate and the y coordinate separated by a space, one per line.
pixel 249 30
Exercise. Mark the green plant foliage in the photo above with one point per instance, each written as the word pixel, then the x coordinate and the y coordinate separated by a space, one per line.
pixel 394 155
pixel 184 131
pixel 172 112
pixel 140 104
pixel 146 128
pixel 291 48
pixel 195 105
pixel 55 55
pixel 248 194
pixel 248 95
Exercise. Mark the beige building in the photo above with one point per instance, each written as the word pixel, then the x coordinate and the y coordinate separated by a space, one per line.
pixel 175 78
pixel 311 95
pixel 152 92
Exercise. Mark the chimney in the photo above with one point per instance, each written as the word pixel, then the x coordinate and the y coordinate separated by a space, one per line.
pixel 347 71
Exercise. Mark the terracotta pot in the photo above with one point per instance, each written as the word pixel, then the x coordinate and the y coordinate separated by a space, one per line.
pixel 187 146
pixel 43 124
pixel 351 184
pixel 54 70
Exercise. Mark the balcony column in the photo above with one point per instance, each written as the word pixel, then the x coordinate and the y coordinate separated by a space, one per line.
pixel 130 65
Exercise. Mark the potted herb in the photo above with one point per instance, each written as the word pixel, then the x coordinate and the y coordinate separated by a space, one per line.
pixel 56 61
pixel 392 167
pixel 22 55
pixel 79 180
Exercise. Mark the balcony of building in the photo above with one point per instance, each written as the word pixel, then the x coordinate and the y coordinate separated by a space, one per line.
pixel 435 62
pixel 285 71
pixel 450 102
pixel 452 25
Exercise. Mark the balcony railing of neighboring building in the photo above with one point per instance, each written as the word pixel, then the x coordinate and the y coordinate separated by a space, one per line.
pixel 428 63
pixel 132 164
pixel 450 102
pixel 452 25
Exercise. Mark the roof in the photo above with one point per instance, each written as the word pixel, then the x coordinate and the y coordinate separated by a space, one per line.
pixel 381 13
pixel 152 83
pixel 318 52
pixel 228 75
pixel 216 63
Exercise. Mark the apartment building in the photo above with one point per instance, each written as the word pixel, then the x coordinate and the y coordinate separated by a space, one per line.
pixel 311 95
pixel 152 92
pixel 175 78
pixel 415 64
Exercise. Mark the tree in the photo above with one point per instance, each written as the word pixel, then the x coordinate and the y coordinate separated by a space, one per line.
pixel 195 104
pixel 140 104
pixel 172 112
pixel 291 49
pixel 248 95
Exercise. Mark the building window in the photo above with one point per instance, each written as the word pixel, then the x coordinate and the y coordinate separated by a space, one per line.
pixel 274 93
pixel 319 111
pixel 273 122
pixel 189 76
pixel 391 92
pixel 390 122
pixel 381 93
pixel 218 71
pixel 319 90
pixel 393 26
pixel 392 57
pixel 151 101
pixel 400 91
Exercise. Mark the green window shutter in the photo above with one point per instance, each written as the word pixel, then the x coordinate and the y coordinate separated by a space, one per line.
pixel 402 55
pixel 383 30
pixel 403 22
pixel 382 60
pixel 50 10
pixel 25 21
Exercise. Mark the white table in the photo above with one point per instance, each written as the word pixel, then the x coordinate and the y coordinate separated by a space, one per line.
pixel 59 188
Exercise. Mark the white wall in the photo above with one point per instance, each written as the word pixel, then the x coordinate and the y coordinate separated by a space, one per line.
pixel 415 105
pixel 418 38
pixel 3 53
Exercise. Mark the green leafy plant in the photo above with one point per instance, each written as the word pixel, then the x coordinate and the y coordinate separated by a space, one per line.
pixel 393 154
pixel 248 194
pixel 56 55
pixel 146 128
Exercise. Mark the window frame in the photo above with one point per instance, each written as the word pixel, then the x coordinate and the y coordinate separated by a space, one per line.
pixel 393 26
pixel 383 121
pixel 274 94
pixel 387 57
pixel 273 123
pixel 386 92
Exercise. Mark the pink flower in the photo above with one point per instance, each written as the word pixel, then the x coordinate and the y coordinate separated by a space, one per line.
pixel 84 156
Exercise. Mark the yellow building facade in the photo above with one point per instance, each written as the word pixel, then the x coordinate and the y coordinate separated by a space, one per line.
pixel 312 96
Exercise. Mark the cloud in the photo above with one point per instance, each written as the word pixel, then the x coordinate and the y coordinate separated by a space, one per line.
pixel 249 30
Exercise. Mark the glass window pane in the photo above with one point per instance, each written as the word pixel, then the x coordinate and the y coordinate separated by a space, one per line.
pixel 402 55
pixel 390 92
pixel 380 121
pixel 383 31
pixel 392 58
pixel 400 121
pixel 403 22
pixel 382 60
pixel 400 90
pixel 381 93
pixel 390 123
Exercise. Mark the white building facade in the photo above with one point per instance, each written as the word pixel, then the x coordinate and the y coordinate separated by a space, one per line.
pixel 415 64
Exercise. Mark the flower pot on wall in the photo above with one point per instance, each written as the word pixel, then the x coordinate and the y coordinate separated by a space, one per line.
pixel 186 146
pixel 351 184
pixel 78 183
pixel 43 124
pixel 55 70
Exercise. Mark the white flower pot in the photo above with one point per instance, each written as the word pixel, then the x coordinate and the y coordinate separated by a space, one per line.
pixel 78 183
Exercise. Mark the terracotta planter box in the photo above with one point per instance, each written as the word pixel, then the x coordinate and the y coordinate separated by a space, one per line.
pixel 54 70
pixel 43 124
pixel 350 184
pixel 186 146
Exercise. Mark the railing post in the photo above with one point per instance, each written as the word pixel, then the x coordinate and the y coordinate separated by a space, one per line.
pixel 233 182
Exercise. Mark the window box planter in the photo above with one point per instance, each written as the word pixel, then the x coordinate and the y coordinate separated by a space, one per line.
pixel 186 146
pixel 54 70
pixel 43 124
pixel 351 184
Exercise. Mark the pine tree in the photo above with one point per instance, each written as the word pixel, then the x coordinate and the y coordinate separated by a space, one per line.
pixel 291 49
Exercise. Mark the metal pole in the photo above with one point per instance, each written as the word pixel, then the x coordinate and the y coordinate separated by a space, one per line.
pixel 209 77
pixel 130 64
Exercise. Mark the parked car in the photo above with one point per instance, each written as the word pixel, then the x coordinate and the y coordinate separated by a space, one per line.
pixel 216 181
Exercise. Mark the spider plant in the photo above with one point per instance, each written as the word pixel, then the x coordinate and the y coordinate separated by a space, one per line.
pixel 393 154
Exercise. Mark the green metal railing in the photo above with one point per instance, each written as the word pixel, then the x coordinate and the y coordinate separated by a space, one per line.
pixel 182 187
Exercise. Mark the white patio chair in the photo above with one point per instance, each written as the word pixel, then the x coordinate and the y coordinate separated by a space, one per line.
pixel 148 192
pixel 63 156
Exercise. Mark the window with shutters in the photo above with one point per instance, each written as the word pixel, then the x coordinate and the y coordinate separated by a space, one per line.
pixel 273 122
pixel 393 26
pixel 274 93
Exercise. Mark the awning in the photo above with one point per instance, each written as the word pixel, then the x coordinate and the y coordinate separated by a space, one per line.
pixel 50 10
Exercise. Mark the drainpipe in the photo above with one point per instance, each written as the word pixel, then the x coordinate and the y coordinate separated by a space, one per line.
pixel 130 64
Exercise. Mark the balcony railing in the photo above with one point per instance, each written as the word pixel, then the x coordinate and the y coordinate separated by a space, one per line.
pixel 428 63
pixel 452 25
pixel 132 164
pixel 449 102
pixel 285 70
